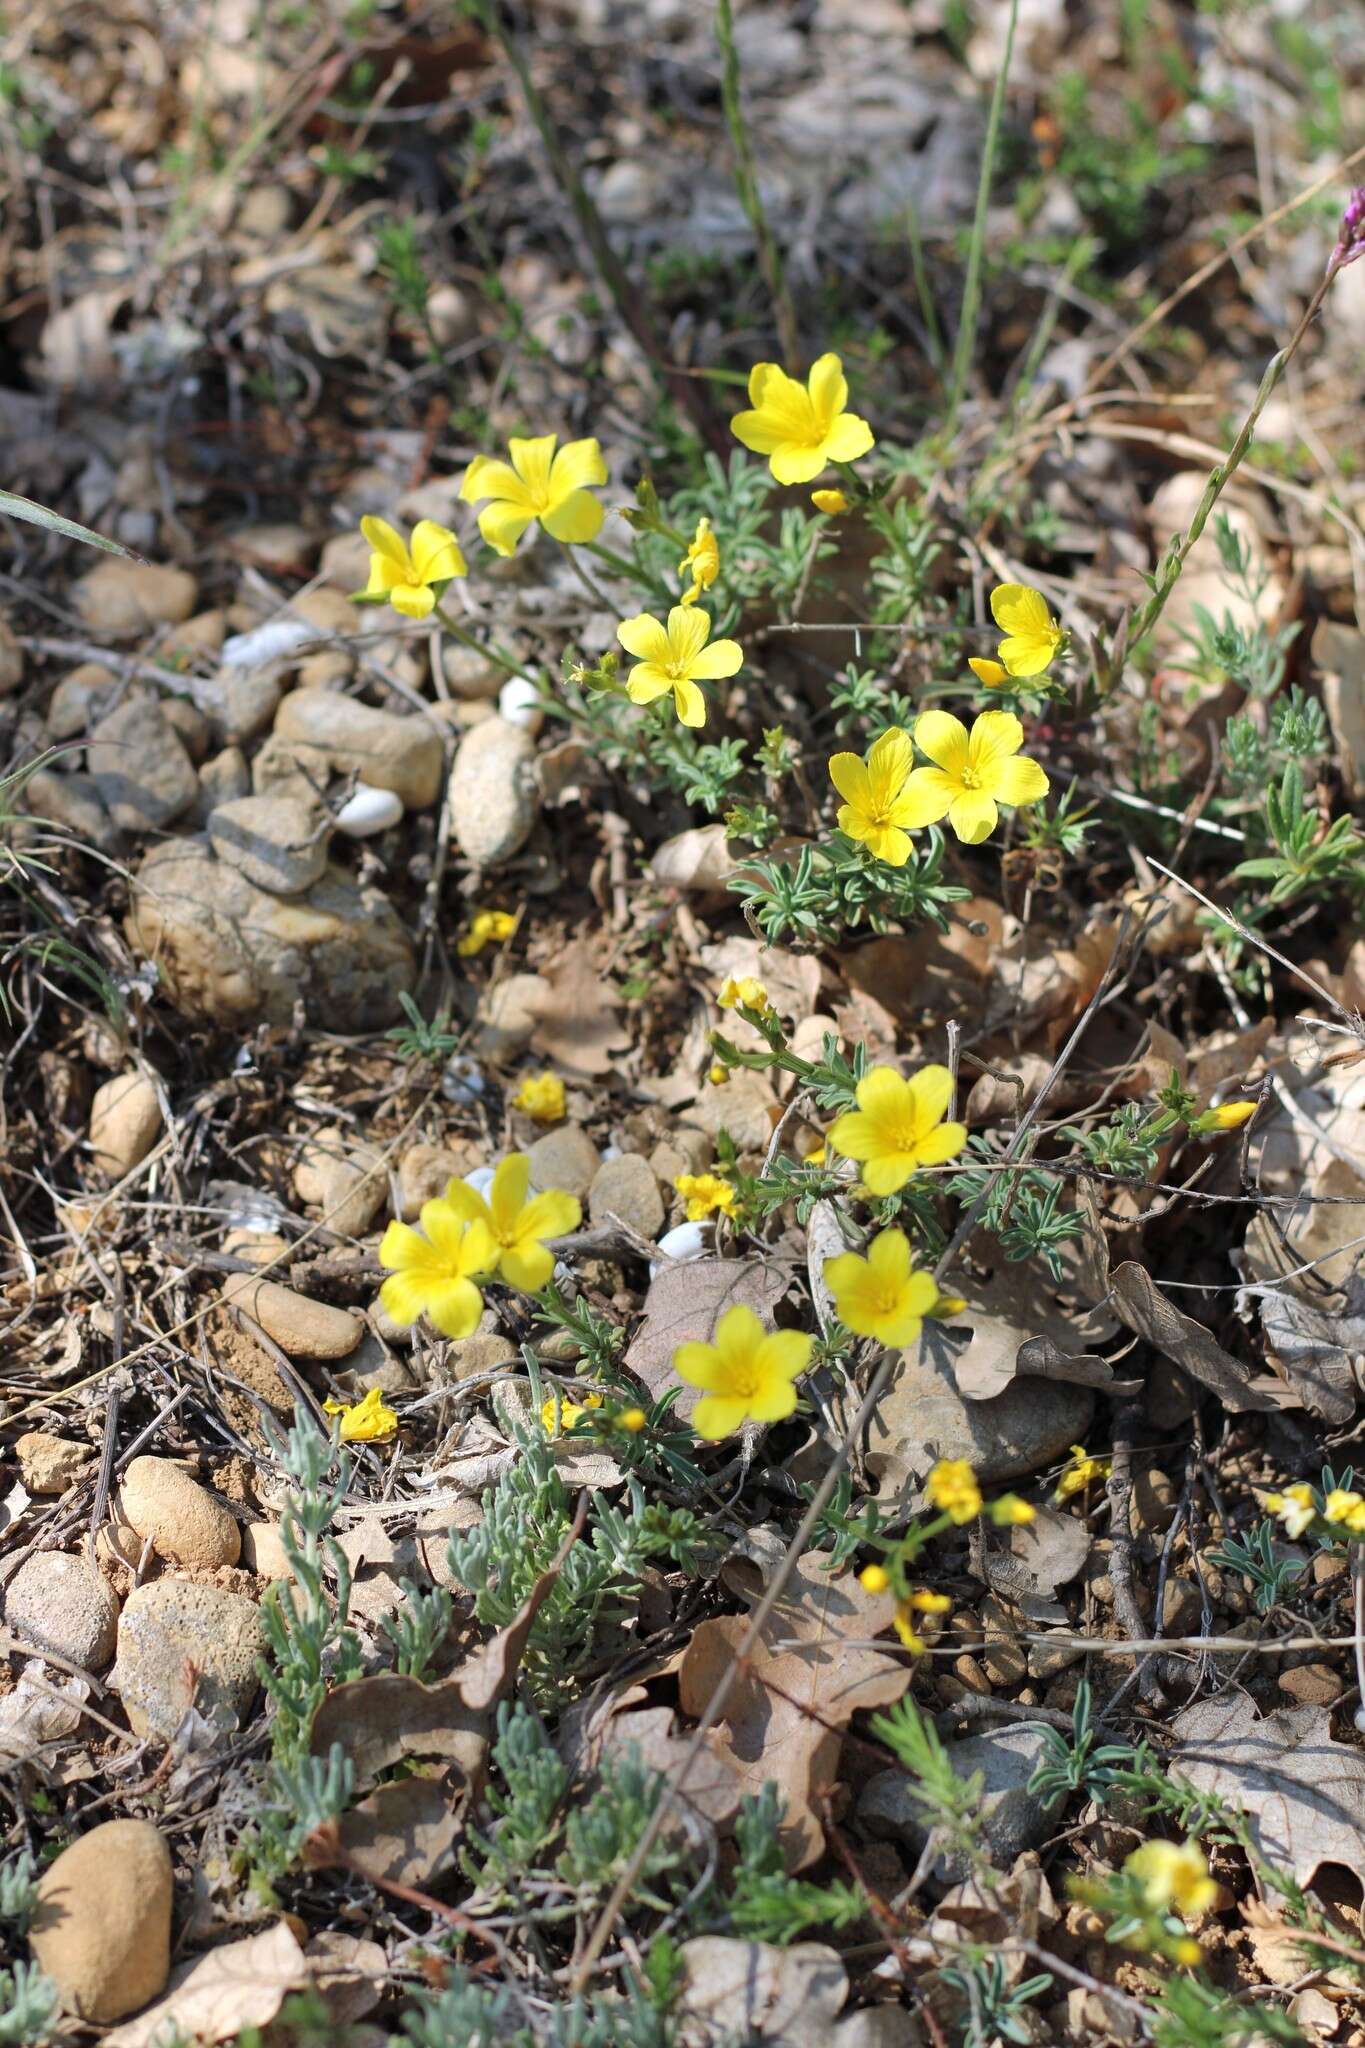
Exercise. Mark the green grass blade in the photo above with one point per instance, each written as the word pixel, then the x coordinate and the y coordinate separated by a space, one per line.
pixel 39 515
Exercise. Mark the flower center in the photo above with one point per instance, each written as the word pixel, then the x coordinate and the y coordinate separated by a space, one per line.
pixel 743 1382
pixel 970 778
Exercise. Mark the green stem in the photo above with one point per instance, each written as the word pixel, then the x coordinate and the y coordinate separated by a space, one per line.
pixel 631 570
pixel 488 649
pixel 746 184
pixel 971 288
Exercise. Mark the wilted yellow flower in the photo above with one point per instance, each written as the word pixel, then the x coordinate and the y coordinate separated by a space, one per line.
pixel 747 1374
pixel 570 1412
pixel 701 562
pixel 704 1192
pixel 875 810
pixel 1345 1508
pixel 903 1619
pixel 537 484
pixel 801 427
pixel 746 990
pixel 486 928
pixel 676 657
pixel 953 1489
pixel 1082 1471
pixel 882 1295
pixel 518 1227
pixel 409 578
pixel 874 1578
pixel 1174 1877
pixel 1295 1507
pixel 925 1602
pixel 898 1126
pixel 541 1096
pixel 1009 1511
pixel 1034 635
pixel 972 773
pixel 368 1422
pixel 431 1275
pixel 831 503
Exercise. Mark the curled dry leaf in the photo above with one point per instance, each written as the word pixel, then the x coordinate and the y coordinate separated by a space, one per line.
pixel 714 1786
pixel 810 1671
pixel 1021 1324
pixel 243 1984
pixel 1303 1792
pixel 404 1832
pixel 1314 1322
pixel 683 1306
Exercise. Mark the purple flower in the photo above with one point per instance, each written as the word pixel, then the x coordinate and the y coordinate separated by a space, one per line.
pixel 1351 233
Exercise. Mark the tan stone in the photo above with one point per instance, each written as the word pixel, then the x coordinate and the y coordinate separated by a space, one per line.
pixel 183 1521
pixel 125 1123
pixel 302 1328
pixel 49 1464
pixel 101 1929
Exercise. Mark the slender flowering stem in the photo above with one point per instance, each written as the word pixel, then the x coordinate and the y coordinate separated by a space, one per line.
pixel 490 649
pixel 971 287
pixel 746 184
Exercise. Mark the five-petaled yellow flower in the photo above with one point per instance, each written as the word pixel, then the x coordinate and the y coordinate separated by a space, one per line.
pixel 515 1224
pixel 1295 1507
pixel 408 578
pixel 368 1422
pixel 486 928
pixel 746 990
pixel 432 1275
pixel 537 484
pixel 541 1097
pixel 972 773
pixel 701 562
pixel 1174 1877
pixel 1033 635
pixel 953 1489
pixel 801 427
pixel 882 1295
pixel 876 809
pixel 676 657
pixel 898 1126
pixel 1081 1471
pixel 704 1192
pixel 746 1375
pixel 570 1412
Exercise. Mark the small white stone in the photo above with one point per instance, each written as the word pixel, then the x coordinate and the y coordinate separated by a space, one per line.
pixel 519 703
pixel 270 642
pixel 481 1180
pixel 368 811
pixel 684 1241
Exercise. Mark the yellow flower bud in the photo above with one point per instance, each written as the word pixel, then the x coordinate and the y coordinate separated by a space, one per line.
pixel 830 502
pixel 633 1419
pixel 874 1578
pixel 1229 1115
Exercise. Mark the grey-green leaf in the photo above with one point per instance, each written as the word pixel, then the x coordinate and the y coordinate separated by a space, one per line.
pixel 39 515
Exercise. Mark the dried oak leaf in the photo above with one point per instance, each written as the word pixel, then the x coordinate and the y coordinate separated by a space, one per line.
pixel 807 1675
pixel 1145 1309
pixel 1303 1793
pixel 578 1025
pixel 381 1720
pixel 1022 1326
pixel 404 1832
pixel 1314 1323
pixel 713 1786
pixel 683 1305
pixel 243 1984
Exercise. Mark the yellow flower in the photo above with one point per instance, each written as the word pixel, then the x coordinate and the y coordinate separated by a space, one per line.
pixel 431 1275
pixel 369 1422
pixel 1229 1115
pixel 1346 1508
pixel 745 990
pixel 1295 1507
pixel 701 562
pixel 407 579
pixel 717 1074
pixel 925 1602
pixel 953 1489
pixel 746 1375
pixel 988 672
pixel 972 773
pixel 801 427
pixel 704 1192
pixel 898 1126
pixel 882 1296
pixel 1082 1471
pixel 486 928
pixel 831 503
pixel 1174 1877
pixel 570 1412
pixel 815 1157
pixel 541 1096
pixel 905 1629
pixel 537 484
pixel 874 1578
pixel 676 657
pixel 1009 1511
pixel 633 1419
pixel 1188 1953
pixel 517 1227
pixel 876 810
pixel 1034 635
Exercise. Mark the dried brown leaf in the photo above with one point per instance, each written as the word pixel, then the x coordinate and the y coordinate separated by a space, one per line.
pixel 751 1991
pixel 242 1984
pixel 578 1025
pixel 1303 1792
pixel 714 1787
pixel 1022 1324
pixel 404 1832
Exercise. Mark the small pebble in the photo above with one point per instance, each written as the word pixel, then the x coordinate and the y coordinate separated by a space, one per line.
pixel 181 1644
pixel 565 1158
pixel 125 1123
pixel 49 1464
pixel 302 1328
pixel 683 1241
pixel 519 703
pixel 367 811
pixel 181 1519
pixel 62 1604
pixel 101 1929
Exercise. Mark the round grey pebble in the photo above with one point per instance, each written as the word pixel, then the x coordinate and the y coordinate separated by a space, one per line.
pixel 62 1604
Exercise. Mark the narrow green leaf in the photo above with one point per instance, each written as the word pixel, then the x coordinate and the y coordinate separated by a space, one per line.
pixel 39 515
